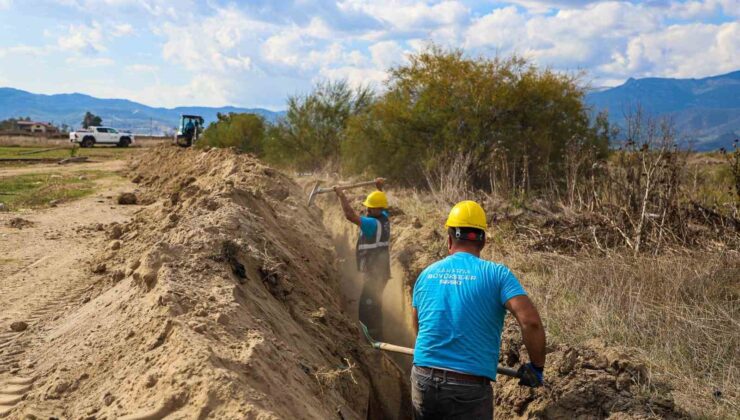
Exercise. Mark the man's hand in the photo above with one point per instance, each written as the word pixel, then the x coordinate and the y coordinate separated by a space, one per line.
pixel 379 183
pixel 531 375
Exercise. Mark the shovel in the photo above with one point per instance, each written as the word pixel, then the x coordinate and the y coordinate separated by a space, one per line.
pixel 318 190
pixel 501 370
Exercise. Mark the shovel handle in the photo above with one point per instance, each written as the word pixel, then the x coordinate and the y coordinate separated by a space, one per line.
pixel 394 348
pixel 501 370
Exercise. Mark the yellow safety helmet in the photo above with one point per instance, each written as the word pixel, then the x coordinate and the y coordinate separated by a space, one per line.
pixel 467 214
pixel 376 200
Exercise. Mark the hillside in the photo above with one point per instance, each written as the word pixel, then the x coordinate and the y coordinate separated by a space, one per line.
pixel 706 111
pixel 68 108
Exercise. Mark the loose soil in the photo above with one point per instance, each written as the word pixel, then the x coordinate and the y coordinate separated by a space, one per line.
pixel 218 299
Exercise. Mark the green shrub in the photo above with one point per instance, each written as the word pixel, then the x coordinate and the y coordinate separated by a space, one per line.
pixel 313 129
pixel 246 132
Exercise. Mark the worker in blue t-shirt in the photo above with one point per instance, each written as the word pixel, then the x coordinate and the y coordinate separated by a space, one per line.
pixel 459 307
pixel 373 257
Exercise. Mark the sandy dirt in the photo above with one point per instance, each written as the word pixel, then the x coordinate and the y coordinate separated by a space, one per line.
pixel 44 276
pixel 217 298
pixel 104 165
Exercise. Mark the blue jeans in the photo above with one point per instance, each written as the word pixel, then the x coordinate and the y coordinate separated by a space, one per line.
pixel 447 398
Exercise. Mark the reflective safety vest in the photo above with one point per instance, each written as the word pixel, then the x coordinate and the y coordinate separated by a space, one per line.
pixel 372 253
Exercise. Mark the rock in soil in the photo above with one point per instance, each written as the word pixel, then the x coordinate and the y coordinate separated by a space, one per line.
pixel 126 198
pixel 18 326
pixel 19 223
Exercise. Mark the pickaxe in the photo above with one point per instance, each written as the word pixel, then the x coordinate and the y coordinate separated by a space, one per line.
pixel 502 370
pixel 317 190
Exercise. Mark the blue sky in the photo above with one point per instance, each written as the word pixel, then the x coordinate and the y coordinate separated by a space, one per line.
pixel 256 53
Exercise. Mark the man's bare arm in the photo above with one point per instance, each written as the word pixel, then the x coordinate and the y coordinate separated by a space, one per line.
pixel 349 212
pixel 533 333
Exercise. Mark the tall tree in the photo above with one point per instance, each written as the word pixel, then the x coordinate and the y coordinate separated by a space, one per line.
pixel 91 120
pixel 313 129
pixel 511 123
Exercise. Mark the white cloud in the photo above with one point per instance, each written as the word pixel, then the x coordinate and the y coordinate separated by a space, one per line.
pixel 410 15
pixel 502 28
pixel 123 29
pixel 693 50
pixel 386 54
pixel 83 39
pixel 5 4
pixel 24 50
pixel 142 68
pixel 89 62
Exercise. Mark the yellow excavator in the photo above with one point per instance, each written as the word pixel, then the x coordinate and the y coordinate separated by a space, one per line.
pixel 190 130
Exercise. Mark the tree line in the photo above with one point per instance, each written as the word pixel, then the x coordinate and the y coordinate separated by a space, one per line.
pixel 502 124
pixel 88 120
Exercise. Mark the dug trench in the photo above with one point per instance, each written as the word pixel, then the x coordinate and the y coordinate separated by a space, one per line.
pixel 588 381
pixel 218 298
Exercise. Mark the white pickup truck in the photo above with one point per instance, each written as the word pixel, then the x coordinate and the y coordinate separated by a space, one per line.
pixel 101 135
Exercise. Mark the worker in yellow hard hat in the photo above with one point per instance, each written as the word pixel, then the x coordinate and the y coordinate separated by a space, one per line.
pixel 373 257
pixel 459 305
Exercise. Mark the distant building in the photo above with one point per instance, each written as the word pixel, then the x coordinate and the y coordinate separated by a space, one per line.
pixel 36 127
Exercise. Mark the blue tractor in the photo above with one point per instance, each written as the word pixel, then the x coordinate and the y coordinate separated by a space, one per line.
pixel 190 130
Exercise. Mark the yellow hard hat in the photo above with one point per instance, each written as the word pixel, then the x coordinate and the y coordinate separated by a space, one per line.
pixel 376 200
pixel 467 214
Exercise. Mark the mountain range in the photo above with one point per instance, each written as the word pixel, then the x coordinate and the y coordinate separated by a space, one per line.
pixel 69 108
pixel 706 112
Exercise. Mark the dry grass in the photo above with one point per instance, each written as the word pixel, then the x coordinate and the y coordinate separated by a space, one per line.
pixel 681 311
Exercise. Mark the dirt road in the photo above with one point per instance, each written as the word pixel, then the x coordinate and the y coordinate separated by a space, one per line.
pixel 43 272
pixel 105 165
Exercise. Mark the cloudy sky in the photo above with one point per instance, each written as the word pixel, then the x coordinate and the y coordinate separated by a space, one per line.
pixel 255 53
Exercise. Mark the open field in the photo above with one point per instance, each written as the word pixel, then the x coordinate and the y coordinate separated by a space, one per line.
pixel 143 141
pixel 27 152
pixel 217 290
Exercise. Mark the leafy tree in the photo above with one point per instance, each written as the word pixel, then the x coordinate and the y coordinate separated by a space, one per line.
pixel 11 124
pixel 246 132
pixel 91 120
pixel 512 123
pixel 313 129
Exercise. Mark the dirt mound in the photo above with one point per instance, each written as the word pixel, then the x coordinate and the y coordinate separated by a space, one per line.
pixel 19 223
pixel 593 381
pixel 219 300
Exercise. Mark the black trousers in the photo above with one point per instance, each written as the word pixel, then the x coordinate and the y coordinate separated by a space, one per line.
pixel 371 303
pixel 449 399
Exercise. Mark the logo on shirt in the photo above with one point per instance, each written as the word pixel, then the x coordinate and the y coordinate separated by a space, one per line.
pixel 452 276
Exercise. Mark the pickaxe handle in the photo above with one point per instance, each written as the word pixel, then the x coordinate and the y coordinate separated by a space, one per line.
pixel 318 190
pixel 502 370
pixel 345 187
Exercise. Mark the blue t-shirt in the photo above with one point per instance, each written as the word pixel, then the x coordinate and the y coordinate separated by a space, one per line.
pixel 460 301
pixel 369 225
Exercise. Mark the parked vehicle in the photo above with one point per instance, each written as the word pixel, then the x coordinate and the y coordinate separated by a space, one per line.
pixel 101 135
